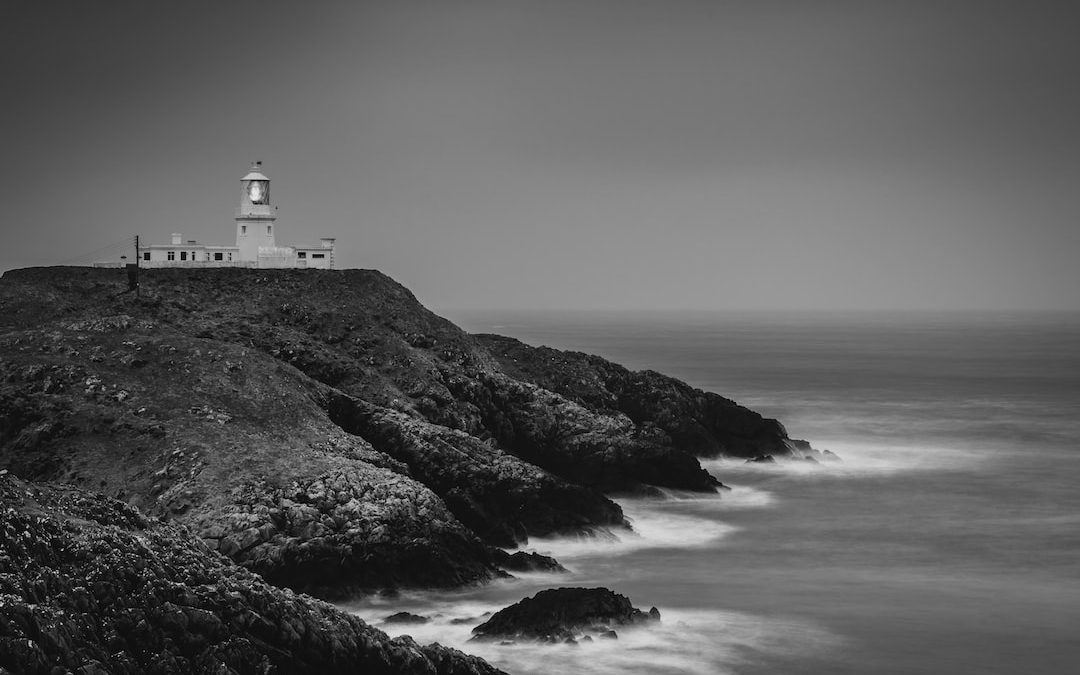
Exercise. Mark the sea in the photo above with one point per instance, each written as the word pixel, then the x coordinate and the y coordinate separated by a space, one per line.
pixel 946 540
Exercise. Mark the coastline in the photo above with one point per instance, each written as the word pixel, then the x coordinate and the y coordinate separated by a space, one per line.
pixel 326 431
pixel 954 499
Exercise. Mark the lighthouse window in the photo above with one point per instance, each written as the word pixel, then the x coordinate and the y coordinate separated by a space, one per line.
pixel 218 256
pixel 183 255
pixel 243 229
pixel 268 229
pixel 171 255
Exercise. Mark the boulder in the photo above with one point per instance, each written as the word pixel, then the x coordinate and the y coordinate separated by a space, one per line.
pixel 406 618
pixel 559 614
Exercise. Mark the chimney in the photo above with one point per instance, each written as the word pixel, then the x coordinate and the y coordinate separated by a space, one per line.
pixel 177 238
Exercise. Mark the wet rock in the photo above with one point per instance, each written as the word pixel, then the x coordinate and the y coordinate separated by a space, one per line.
pixel 406 618
pixel 554 615
pixel 520 561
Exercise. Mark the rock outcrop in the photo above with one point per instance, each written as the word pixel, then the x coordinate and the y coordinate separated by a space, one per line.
pixel 699 423
pixel 562 615
pixel 89 585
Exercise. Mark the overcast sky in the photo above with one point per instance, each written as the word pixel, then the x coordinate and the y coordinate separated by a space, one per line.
pixel 578 154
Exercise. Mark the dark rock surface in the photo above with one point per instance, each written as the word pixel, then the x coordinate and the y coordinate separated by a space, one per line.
pixel 407 618
pixel 497 495
pixel 89 585
pixel 233 443
pixel 520 561
pixel 561 614
pixel 699 423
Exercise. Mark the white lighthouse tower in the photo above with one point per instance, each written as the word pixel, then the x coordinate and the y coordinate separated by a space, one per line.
pixel 255 217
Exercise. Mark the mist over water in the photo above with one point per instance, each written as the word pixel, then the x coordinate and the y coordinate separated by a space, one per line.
pixel 946 540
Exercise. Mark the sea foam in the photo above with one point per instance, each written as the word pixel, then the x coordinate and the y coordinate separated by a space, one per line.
pixel 654 526
pixel 856 460
pixel 685 641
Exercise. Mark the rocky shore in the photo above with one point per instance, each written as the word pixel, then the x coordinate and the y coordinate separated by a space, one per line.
pixel 324 430
pixel 89 585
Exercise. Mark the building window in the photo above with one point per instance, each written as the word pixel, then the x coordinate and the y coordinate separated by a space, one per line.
pixel 268 229
pixel 146 255
pixel 301 254
pixel 317 255
pixel 183 255
pixel 243 229
pixel 218 256
pixel 171 255
pixel 230 257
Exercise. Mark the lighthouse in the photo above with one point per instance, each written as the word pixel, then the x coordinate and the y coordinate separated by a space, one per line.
pixel 255 217
pixel 256 244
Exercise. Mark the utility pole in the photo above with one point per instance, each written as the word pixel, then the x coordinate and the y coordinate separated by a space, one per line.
pixel 133 270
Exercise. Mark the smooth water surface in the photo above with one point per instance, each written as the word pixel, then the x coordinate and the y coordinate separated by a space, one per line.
pixel 946 541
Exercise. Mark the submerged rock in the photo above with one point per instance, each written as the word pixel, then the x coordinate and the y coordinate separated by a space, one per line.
pixel 406 617
pixel 560 614
pixel 520 561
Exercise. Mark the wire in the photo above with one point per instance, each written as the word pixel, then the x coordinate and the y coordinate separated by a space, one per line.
pixel 105 251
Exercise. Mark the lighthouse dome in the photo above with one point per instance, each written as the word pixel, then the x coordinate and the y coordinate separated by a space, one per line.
pixel 255 173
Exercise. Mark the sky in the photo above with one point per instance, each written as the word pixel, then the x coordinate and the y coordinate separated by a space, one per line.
pixel 568 154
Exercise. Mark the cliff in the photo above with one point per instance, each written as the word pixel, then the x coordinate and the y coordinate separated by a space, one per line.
pixel 324 429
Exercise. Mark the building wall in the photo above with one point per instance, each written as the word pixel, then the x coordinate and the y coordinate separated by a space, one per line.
pixel 253 234
pixel 315 258
pixel 160 253
pixel 197 264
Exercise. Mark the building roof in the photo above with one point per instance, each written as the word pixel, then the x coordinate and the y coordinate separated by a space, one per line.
pixel 255 173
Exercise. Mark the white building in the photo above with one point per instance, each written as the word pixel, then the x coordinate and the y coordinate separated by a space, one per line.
pixel 256 220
